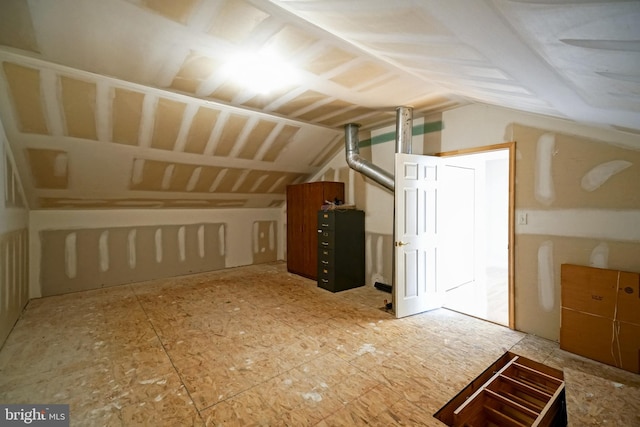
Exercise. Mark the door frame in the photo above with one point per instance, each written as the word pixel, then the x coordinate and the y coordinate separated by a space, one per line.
pixel 511 146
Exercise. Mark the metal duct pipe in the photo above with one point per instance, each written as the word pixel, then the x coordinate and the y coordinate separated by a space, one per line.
pixel 361 165
pixel 404 129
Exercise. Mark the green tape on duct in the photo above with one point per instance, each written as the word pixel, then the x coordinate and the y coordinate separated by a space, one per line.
pixel 415 131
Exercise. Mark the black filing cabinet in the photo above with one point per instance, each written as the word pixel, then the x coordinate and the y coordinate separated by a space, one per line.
pixel 340 249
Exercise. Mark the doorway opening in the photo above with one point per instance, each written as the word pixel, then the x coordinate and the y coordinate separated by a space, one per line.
pixel 476 270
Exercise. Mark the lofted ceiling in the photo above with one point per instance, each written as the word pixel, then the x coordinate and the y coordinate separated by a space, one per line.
pixel 130 103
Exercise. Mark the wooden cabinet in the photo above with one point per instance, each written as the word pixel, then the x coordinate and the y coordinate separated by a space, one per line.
pixel 303 203
pixel 340 249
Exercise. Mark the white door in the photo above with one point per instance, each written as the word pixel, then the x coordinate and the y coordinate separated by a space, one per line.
pixel 416 232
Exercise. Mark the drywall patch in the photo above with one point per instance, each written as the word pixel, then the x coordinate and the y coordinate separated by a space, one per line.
pixel 74 260
pixel 229 179
pixel 230 134
pixel 12 194
pixel 544 187
pixel 131 248
pixel 24 83
pixel 576 156
pixel 182 175
pixel 546 277
pixel 264 242
pixel 256 139
pixel 600 256
pixel 48 168
pixel 201 127
pixel 157 238
pixel 284 138
pixel 600 174
pixel 70 256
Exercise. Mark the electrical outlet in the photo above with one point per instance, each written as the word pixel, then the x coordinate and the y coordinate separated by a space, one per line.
pixel 522 218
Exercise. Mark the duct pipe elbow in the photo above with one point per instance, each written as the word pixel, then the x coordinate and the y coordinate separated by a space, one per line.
pixel 357 163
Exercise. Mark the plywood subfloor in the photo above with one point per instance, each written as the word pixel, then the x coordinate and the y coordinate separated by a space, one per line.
pixel 259 346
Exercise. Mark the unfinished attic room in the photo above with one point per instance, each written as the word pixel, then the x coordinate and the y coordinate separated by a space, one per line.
pixel 320 213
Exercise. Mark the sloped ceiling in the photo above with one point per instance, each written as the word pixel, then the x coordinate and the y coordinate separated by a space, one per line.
pixel 115 104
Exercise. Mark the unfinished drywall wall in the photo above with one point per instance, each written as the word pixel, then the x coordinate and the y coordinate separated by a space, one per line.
pixel 79 250
pixel 14 244
pixel 75 260
pixel 579 187
pixel 581 198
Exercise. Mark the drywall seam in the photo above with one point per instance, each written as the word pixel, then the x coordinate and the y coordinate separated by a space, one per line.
pixel 104 98
pixel 241 140
pixel 603 224
pixel 268 142
pixel 131 248
pixel 193 179
pixel 600 174
pixel 599 257
pixel 158 245
pixel 137 171
pixel 185 126
pixel 182 249
pixel 50 88
pixel 546 280
pixel 201 246
pixel 103 250
pixel 147 121
pixel 543 176
pixel 70 256
pixel 216 133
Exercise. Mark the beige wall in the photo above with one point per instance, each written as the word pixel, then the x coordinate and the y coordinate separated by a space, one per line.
pixel 579 187
pixel 14 225
pixel 76 250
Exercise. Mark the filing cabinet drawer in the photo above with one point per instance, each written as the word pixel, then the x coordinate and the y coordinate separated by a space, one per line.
pixel 326 239
pixel 326 278
pixel 325 258
pixel 326 220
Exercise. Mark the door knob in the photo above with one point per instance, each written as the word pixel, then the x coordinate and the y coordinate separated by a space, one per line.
pixel 401 243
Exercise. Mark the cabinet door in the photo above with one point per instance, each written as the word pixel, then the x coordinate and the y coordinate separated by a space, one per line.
pixel 295 226
pixel 303 203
